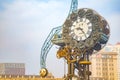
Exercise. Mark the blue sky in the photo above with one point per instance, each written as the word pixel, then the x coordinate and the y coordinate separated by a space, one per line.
pixel 25 24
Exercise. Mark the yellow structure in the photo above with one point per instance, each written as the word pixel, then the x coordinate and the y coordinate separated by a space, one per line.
pixel 85 62
pixel 104 66
pixel 26 77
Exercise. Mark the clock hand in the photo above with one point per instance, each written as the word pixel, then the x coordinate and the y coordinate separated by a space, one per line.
pixel 83 33
pixel 81 30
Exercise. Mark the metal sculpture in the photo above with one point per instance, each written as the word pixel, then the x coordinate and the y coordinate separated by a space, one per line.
pixel 83 33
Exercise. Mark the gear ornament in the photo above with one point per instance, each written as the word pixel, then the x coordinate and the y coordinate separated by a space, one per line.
pixel 85 29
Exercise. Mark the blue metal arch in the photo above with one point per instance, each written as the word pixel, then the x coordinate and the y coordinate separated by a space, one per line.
pixel 73 7
pixel 47 43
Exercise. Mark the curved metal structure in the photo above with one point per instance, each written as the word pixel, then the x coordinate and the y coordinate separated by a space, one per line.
pixel 47 43
pixel 73 7
pixel 47 46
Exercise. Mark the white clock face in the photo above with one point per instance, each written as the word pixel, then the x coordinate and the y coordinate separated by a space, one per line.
pixel 81 29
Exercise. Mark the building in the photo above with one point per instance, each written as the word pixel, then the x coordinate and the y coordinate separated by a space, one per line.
pixel 104 66
pixel 114 48
pixel 12 69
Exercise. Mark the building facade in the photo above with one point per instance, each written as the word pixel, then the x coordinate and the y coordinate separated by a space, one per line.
pixel 12 69
pixel 114 48
pixel 104 66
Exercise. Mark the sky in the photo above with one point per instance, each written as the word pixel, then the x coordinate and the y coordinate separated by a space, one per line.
pixel 25 24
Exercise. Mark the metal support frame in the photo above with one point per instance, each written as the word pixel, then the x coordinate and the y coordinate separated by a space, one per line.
pixel 47 43
pixel 84 68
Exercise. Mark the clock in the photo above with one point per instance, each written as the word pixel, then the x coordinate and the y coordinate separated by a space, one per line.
pixel 81 29
pixel 85 29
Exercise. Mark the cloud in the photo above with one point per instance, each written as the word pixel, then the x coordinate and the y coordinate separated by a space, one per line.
pixel 101 6
pixel 25 24
pixel 113 21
